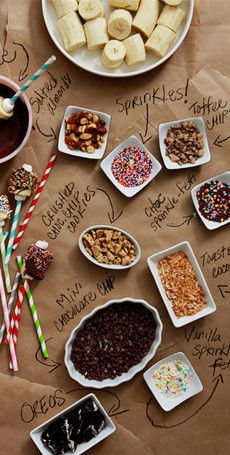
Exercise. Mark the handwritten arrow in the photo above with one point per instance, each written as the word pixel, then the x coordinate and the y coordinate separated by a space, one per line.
pixel 48 363
pixel 114 410
pixel 51 134
pixel 187 221
pixel 223 292
pixel 111 215
pixel 217 380
pixel 218 142
pixel 23 72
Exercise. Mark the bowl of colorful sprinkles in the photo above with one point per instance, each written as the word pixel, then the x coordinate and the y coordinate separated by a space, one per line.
pixel 211 199
pixel 173 380
pixel 130 166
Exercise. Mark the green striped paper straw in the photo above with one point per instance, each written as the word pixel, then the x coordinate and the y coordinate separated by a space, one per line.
pixel 5 266
pixel 8 103
pixel 33 310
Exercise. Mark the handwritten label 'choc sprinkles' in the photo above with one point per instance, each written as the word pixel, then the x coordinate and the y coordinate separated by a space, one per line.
pixel 173 378
pixel 214 201
pixel 132 166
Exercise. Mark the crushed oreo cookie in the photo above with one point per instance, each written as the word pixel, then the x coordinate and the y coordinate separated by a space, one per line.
pixel 73 428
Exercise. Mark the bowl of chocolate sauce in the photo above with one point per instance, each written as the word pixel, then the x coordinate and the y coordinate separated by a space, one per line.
pixel 14 132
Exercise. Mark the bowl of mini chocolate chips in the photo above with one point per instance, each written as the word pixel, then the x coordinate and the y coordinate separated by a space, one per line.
pixel 113 343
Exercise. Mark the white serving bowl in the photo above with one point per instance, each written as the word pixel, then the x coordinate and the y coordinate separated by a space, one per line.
pixel 152 263
pixel 74 374
pixel 163 129
pixel 109 266
pixel 62 146
pixel 106 166
pixel 109 428
pixel 168 403
pixel 225 178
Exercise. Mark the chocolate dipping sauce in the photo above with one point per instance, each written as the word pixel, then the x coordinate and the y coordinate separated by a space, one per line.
pixel 12 131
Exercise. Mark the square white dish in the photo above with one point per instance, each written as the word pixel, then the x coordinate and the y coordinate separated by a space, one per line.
pixel 109 428
pixel 62 146
pixel 152 263
pixel 225 177
pixel 107 163
pixel 163 128
pixel 168 403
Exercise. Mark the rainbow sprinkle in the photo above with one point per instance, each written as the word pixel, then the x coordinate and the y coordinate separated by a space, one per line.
pixel 214 201
pixel 132 166
pixel 173 378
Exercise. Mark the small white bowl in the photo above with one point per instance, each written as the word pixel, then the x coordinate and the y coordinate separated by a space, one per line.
pixel 163 129
pixel 109 266
pixel 62 146
pixel 109 428
pixel 74 374
pixel 152 263
pixel 225 177
pixel 168 403
pixel 106 166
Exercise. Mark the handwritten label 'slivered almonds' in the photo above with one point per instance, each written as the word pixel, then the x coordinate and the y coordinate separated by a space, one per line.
pixel 109 246
pixel 181 284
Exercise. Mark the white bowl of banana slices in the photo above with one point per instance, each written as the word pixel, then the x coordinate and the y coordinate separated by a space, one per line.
pixel 117 38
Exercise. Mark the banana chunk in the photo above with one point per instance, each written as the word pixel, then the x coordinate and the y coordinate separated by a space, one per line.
pixel 96 33
pixel 119 24
pixel 90 9
pixel 171 17
pixel 173 2
pixel 131 5
pixel 146 17
pixel 113 54
pixel 72 32
pixel 135 49
pixel 160 41
pixel 64 7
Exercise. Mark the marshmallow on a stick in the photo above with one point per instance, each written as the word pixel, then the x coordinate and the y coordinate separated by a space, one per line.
pixel 37 260
pixel 4 209
pixel 4 114
pixel 22 182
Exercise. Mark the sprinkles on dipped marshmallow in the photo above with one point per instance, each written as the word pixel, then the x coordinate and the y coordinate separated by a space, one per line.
pixel 132 166
pixel 37 260
pixel 173 378
pixel 214 201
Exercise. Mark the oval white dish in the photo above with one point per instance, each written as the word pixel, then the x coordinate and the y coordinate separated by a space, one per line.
pixel 74 374
pixel 109 266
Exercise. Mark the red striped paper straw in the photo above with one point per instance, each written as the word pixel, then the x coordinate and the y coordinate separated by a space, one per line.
pixel 15 321
pixel 34 201
pixel 7 321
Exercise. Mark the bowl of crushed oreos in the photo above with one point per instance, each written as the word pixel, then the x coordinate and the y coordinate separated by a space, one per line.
pixel 74 430
pixel 113 343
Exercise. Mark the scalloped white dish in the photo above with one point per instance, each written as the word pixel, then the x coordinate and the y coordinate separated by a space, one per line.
pixel 74 374
pixel 91 60
pixel 109 266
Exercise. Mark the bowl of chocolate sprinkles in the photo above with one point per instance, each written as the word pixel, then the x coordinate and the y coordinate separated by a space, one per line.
pixel 113 343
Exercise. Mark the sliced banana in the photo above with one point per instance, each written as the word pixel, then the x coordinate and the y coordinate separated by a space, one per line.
pixel 64 7
pixel 135 49
pixel 131 5
pixel 72 32
pixel 146 17
pixel 96 33
pixel 113 54
pixel 171 17
pixel 173 2
pixel 119 24
pixel 90 9
pixel 160 41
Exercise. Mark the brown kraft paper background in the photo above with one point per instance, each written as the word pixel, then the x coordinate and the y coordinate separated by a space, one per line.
pixel 193 82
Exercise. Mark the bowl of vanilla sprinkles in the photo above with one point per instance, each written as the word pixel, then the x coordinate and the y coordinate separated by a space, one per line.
pixel 212 200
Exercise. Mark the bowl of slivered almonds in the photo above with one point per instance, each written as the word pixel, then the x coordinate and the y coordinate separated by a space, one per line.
pixel 117 38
